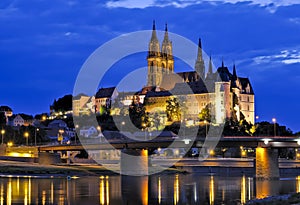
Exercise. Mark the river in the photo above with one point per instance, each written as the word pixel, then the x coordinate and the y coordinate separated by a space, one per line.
pixel 157 189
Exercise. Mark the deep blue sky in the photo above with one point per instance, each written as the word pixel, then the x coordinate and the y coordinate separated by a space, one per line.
pixel 44 44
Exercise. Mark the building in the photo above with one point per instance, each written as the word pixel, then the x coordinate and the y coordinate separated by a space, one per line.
pixel 225 93
pixel 88 131
pixel 20 120
pixel 83 105
pixel 105 97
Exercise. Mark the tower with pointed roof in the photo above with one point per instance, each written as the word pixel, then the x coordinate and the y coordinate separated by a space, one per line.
pixel 160 62
pixel 167 54
pixel 199 65
pixel 154 60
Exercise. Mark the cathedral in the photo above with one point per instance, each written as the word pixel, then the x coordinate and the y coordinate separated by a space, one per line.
pixel 225 93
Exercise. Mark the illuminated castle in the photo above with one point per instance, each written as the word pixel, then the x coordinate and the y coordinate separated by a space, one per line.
pixel 226 93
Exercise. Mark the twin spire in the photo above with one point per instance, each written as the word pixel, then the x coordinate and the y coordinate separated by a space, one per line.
pixel 166 51
pixel 154 47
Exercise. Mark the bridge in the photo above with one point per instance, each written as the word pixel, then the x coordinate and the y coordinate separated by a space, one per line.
pixel 226 141
pixel 266 162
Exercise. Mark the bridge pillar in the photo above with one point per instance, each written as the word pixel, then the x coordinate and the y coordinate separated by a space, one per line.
pixel 134 162
pixel 266 163
pixel 49 158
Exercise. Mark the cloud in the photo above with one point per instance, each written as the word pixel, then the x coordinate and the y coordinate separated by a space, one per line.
pixel 270 5
pixel 284 57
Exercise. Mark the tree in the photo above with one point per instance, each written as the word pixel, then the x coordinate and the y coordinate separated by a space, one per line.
pixel 138 115
pixel 2 119
pixel 63 104
pixel 173 109
pixel 205 114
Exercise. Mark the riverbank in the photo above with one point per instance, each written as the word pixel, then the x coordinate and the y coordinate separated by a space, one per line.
pixel 35 169
pixel 277 200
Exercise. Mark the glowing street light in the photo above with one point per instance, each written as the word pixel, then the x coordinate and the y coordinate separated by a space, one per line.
pixel 122 124
pixel 274 121
pixel 2 133
pixel 26 135
pixel 205 122
pixel 35 130
pixel 10 144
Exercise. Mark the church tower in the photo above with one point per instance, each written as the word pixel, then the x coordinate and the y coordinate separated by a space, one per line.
pixel 154 60
pixel 199 65
pixel 167 63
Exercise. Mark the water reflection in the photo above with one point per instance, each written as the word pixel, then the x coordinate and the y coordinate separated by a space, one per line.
pixel 164 189
pixel 211 191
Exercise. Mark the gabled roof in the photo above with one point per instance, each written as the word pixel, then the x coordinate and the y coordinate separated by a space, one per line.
pixel 190 76
pixel 245 82
pixel 158 94
pixel 105 92
pixel 77 97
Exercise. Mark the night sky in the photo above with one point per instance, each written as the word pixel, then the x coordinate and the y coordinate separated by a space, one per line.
pixel 43 45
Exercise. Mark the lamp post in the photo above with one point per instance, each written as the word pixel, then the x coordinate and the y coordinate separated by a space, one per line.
pixel 26 135
pixel 274 121
pixel 122 124
pixel 205 122
pixel 2 133
pixel 144 126
pixel 35 130
pixel 76 127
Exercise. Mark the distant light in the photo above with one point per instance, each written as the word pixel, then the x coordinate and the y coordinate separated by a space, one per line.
pixel 298 141
pixel 274 120
pixel 211 152
pixel 186 141
pixel 10 144
pixel 266 141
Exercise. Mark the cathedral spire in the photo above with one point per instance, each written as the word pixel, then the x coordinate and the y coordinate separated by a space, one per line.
pixel 166 37
pixel 166 47
pixel 234 75
pixel 210 67
pixel 199 56
pixel 222 63
pixel 154 49
pixel 154 36
pixel 199 65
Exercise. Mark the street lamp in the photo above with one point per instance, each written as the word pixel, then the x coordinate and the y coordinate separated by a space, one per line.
pixel 205 122
pixel 26 135
pixel 274 121
pixel 2 133
pixel 122 124
pixel 35 130
pixel 144 126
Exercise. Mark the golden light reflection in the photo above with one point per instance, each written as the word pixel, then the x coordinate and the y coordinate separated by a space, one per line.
pixel 176 190
pixel 9 191
pixel 2 193
pixel 102 192
pixel 25 193
pixel 29 190
pixel 107 190
pixel 43 197
pixel 159 190
pixel 18 185
pixel 51 192
pixel 145 191
pixel 211 191
pixel 298 184
pixel 249 188
pixel 243 190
